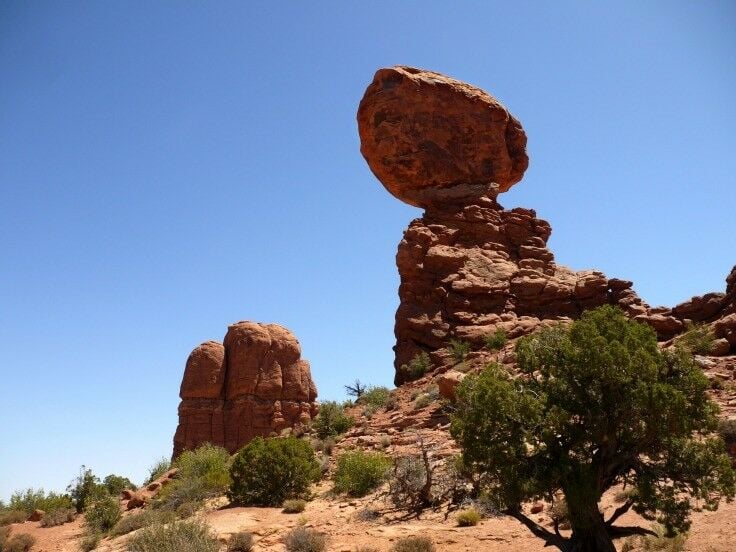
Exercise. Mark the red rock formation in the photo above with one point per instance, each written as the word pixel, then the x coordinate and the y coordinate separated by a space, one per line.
pixel 469 267
pixel 254 384
pixel 422 132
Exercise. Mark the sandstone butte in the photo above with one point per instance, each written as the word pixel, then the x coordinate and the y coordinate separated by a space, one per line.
pixel 253 384
pixel 468 266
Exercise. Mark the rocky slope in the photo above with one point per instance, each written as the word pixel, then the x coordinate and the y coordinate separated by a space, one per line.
pixel 255 383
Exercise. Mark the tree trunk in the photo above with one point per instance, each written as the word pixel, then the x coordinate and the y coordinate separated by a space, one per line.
pixel 589 531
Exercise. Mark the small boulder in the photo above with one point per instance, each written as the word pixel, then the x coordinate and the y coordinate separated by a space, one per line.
pixel 36 515
pixel 448 382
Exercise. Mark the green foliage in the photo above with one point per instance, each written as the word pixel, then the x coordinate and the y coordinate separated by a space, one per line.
pixel 418 366
pixel 294 506
pixel 4 534
pixel 468 518
pixel 139 520
pixel 697 339
pixel 60 516
pixel 663 543
pixel 116 484
pixel 496 340
pixel 21 542
pixel 160 467
pixel 183 536
pixel 102 514
pixel 413 544
pixel 84 488
pixel 12 516
pixel 36 499
pixel 89 541
pixel 375 396
pixel 360 472
pixel 240 542
pixel 727 431
pixel 423 400
pixel 302 539
pixel 459 349
pixel 331 420
pixel 203 473
pixel 268 471
pixel 598 405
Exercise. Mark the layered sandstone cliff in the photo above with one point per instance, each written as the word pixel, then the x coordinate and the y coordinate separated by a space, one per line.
pixel 469 267
pixel 255 383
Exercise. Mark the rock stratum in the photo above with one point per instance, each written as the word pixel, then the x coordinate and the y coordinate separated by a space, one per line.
pixel 254 383
pixel 468 266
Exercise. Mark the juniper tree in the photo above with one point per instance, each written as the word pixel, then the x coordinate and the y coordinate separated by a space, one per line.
pixel 597 404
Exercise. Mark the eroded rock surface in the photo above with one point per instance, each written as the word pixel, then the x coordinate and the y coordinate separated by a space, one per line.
pixel 255 383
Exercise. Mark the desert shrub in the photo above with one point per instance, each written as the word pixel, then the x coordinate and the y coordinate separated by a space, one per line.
pixel 413 544
pixel 468 518
pixel 240 542
pixel 369 410
pixel 418 366
pixel 294 506
pixel 160 467
pixel 697 339
pixel 89 541
pixel 21 542
pixel 459 349
pixel 408 484
pixel 375 396
pixel 116 484
pixel 663 543
pixel 302 539
pixel 360 472
pixel 423 400
pixel 102 514
pixel 717 383
pixel 331 420
pixel 4 534
pixel 327 446
pixel 59 516
pixel 558 511
pixel 183 536
pixel 367 549
pixel 367 514
pixel 12 516
pixel 496 340
pixel 139 520
pixel 203 473
pixel 29 500
pixel 268 471
pixel 727 431
pixel 84 488
pixel 187 509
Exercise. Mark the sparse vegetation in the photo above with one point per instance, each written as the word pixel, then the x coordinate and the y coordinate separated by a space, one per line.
pixel 496 340
pixel 203 473
pixel 160 467
pixel 240 542
pixel 102 514
pixel 698 339
pixel 418 366
pixel 659 542
pixel 267 472
pixel 414 483
pixel 727 431
pixel 294 506
pixel 138 520
pixel 360 472
pixel 459 349
pixel 601 383
pixel 468 518
pixel 28 500
pixel 413 544
pixel 116 484
pixel 356 389
pixel 183 536
pixel 423 400
pixel 22 542
pixel 59 516
pixel 84 488
pixel 375 396
pixel 331 420
pixel 12 516
pixel 302 539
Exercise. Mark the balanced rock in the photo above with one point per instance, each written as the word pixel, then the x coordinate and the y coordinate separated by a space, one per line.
pixel 430 138
pixel 253 384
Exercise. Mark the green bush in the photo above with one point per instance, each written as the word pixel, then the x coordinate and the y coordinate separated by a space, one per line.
pixel 727 431
pixel 102 514
pixel 160 467
pixel 302 539
pixel 360 472
pixel 12 516
pixel 331 420
pixel 697 339
pixel 294 506
pixel 496 340
pixel 240 542
pixel 459 349
pixel 662 543
pixel 423 400
pixel 183 536
pixel 418 366
pixel 58 517
pixel 413 544
pixel 89 541
pixel 36 499
pixel 268 471
pixel 203 473
pixel 139 520
pixel 468 518
pixel 19 543
pixel 116 484
pixel 375 396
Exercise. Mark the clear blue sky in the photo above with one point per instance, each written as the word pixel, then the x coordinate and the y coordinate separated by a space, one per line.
pixel 168 168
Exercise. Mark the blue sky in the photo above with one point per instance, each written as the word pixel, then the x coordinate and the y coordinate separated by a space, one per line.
pixel 167 168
